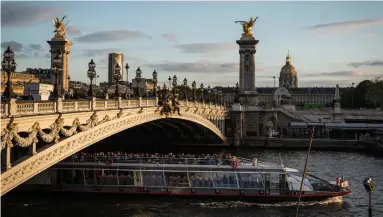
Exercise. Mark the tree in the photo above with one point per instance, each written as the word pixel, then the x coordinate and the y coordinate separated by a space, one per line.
pixel 374 94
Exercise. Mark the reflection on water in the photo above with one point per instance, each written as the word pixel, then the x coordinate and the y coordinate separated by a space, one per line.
pixel 327 165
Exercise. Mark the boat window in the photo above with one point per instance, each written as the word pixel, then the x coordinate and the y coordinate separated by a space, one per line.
pixel 224 180
pixel 319 184
pixel 153 178
pixel 125 178
pixel 176 179
pixel 295 183
pixel 251 180
pixel 201 179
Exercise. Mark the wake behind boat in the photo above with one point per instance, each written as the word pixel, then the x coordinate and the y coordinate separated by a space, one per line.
pixel 211 176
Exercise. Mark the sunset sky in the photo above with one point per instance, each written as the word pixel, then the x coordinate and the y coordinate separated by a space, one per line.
pixel 330 42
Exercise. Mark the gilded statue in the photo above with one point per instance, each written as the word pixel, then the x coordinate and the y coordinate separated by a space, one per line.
pixel 247 27
pixel 60 27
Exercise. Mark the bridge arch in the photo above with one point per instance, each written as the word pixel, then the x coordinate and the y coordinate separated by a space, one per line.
pixel 75 143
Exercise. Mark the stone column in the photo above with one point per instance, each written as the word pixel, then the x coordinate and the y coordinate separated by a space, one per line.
pixel 247 49
pixel 63 44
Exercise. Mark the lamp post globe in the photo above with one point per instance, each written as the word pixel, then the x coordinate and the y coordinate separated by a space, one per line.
pixel 8 65
pixel 155 74
pixel 117 78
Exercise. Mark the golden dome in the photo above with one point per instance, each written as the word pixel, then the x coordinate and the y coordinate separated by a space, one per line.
pixel 288 68
pixel 288 75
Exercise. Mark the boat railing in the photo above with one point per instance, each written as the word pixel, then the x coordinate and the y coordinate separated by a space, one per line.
pixel 148 160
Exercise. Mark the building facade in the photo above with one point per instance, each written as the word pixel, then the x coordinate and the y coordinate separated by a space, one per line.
pixel 18 79
pixel 113 59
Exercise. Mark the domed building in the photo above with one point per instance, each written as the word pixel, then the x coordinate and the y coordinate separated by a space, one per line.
pixel 288 77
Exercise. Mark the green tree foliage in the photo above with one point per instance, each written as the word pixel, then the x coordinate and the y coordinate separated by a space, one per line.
pixel 367 94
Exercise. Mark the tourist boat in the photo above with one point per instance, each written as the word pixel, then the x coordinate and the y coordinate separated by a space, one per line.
pixel 236 178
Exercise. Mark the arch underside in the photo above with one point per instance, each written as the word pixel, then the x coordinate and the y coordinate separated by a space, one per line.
pixel 71 145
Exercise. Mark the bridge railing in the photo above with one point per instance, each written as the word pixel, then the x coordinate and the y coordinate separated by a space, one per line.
pixel 23 108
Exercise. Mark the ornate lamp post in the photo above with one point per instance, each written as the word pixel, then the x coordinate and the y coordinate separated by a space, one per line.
pixel 219 99
pixel 117 76
pixel 236 99
pixel 174 85
pixel 202 90
pixel 215 94
pixel 57 71
pixel 194 87
pixel 9 65
pixel 185 88
pixel 209 92
pixel 138 77
pixel 91 76
pixel 127 80
pixel 155 74
pixel 170 82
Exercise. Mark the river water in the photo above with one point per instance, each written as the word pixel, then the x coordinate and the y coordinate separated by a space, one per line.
pixel 329 165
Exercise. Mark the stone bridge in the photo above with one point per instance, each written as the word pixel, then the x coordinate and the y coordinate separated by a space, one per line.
pixel 54 130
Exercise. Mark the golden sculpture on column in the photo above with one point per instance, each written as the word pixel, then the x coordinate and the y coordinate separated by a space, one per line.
pixel 60 27
pixel 247 27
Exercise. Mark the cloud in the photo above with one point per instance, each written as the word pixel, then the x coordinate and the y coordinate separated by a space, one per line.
pixel 99 52
pixel 341 74
pixel 36 47
pixel 367 63
pixel 196 67
pixel 15 46
pixel 169 36
pixel 111 36
pixel 22 56
pixel 25 13
pixel 203 48
pixel 341 27
pixel 72 30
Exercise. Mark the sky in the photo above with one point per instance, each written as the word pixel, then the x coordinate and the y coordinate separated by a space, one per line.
pixel 329 42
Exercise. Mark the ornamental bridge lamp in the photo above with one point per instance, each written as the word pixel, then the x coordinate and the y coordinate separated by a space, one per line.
pixel 202 91
pixel 127 80
pixel 185 88
pixel 9 65
pixel 91 76
pixel 155 74
pixel 194 87
pixel 175 85
pixel 138 78
pixel 209 92
pixel 57 70
pixel 117 77
pixel 170 82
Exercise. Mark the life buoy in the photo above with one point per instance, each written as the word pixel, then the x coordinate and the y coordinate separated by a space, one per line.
pixel 109 162
pixel 234 163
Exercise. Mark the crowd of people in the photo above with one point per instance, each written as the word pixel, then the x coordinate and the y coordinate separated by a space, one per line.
pixel 161 179
pixel 170 158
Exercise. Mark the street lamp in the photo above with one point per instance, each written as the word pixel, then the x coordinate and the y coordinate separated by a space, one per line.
pixel 194 87
pixel 352 95
pixel 9 65
pixel 170 82
pixel 274 82
pixel 155 74
pixel 202 90
pixel 215 94
pixel 117 76
pixel 57 71
pixel 138 78
pixel 175 85
pixel 127 80
pixel 185 88
pixel 208 92
pixel 220 97
pixel 91 76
